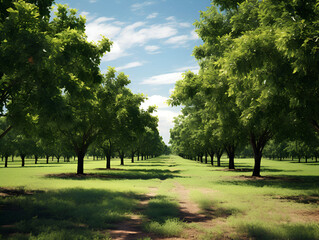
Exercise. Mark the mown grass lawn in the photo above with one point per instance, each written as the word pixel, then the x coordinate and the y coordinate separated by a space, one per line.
pixel 50 202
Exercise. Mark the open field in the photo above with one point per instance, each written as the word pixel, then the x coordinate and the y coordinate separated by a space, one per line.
pixel 161 198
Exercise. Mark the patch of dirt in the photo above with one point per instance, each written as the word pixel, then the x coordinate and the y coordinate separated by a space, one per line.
pixel 132 228
pixel 191 213
pixel 9 192
pixel 305 216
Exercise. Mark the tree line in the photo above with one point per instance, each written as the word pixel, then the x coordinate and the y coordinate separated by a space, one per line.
pixel 54 99
pixel 258 81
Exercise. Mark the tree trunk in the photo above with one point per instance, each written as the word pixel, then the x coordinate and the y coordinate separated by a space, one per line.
pixel 12 158
pixel 58 159
pixel 230 149
pixel 258 144
pixel 205 157
pixel 256 171
pixel 108 161
pixel 122 159
pixel 35 159
pixel 132 157
pixel 218 159
pixel 6 161
pixel 138 156
pixel 80 168
pixel 47 157
pixel 22 160
pixel 211 154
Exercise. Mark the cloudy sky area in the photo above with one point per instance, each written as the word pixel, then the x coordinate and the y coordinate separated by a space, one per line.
pixel 153 42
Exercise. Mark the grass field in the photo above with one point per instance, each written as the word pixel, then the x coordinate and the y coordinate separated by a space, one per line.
pixel 159 198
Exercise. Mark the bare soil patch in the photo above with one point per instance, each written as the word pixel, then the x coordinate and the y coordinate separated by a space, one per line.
pixel 132 228
pixel 191 213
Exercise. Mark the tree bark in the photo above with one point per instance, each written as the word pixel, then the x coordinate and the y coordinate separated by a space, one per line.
pixel 230 149
pixel 47 157
pixel 35 159
pixel 22 160
pixel 6 161
pixel 211 154
pixel 5 131
pixel 219 154
pixel 258 144
pixel 122 159
pixel 108 161
pixel 132 157
pixel 80 168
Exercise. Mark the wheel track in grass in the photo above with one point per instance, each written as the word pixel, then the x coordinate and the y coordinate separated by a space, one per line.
pixel 132 228
pixel 191 213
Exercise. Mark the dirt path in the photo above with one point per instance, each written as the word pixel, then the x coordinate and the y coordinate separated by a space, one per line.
pixel 132 228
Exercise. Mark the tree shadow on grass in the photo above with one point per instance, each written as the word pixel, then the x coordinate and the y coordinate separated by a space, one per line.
pixel 290 182
pixel 284 231
pixel 144 174
pixel 64 214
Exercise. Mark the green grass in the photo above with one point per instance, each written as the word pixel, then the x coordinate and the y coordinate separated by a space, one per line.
pixel 283 205
pixel 169 228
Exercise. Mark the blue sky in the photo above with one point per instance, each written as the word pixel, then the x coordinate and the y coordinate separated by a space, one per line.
pixel 153 42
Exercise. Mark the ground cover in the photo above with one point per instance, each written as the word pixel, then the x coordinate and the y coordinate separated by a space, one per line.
pixel 161 198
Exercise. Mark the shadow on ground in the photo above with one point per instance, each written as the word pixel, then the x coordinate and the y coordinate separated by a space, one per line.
pixel 283 231
pixel 64 214
pixel 120 174
pixel 290 182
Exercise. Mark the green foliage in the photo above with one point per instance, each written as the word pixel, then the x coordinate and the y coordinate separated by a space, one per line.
pixel 170 228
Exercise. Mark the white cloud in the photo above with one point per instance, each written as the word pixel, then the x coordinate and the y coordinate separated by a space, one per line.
pixel 169 78
pixel 194 35
pixel 138 6
pixel 130 65
pixel 101 26
pixel 194 69
pixel 178 40
pixel 182 40
pixel 171 19
pixel 163 79
pixel 152 49
pixel 152 15
pixel 165 123
pixel 157 100
pixel 116 52
pixel 165 115
pixel 137 34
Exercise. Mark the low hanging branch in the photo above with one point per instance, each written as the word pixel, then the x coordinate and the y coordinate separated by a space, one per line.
pixel 5 132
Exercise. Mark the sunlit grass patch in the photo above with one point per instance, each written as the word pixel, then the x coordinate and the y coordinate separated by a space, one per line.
pixel 169 228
